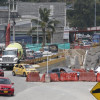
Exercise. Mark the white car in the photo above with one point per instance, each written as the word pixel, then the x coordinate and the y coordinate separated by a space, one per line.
pixel 47 53
pixel 97 70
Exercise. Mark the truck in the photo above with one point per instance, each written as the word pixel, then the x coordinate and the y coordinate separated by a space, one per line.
pixel 11 55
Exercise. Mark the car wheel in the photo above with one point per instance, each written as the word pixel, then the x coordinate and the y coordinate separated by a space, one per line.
pixel 2 75
pixel 13 73
pixel 12 94
pixel 24 74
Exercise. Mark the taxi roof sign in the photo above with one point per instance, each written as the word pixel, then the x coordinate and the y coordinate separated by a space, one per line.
pixel 96 91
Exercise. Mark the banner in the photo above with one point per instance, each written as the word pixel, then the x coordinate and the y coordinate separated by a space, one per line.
pixel 8 35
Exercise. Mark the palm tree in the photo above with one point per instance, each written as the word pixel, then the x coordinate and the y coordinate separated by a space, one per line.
pixel 45 23
pixel 52 24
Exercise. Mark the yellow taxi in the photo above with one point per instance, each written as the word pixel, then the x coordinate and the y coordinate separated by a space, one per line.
pixel 23 69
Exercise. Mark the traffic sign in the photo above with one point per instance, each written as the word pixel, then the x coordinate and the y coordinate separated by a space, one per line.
pixel 96 91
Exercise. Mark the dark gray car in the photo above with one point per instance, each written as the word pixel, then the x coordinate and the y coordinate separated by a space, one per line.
pixel 58 70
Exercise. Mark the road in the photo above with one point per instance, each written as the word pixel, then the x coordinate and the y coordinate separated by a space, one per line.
pixel 49 91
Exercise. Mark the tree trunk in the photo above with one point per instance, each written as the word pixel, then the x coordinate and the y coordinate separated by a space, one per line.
pixel 51 37
pixel 43 36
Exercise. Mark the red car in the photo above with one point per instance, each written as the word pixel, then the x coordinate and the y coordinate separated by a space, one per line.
pixel 1 72
pixel 6 87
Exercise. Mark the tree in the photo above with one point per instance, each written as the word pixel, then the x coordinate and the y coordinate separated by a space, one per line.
pixel 51 27
pixel 45 23
pixel 82 15
pixel 43 0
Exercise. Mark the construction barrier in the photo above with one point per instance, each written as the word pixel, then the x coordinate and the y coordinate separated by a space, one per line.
pixel 81 47
pixel 87 76
pixel 98 77
pixel 42 78
pixel 73 77
pixel 33 77
pixel 68 77
pixel 91 70
pixel 79 70
pixel 84 76
pixel 54 77
pixel 63 76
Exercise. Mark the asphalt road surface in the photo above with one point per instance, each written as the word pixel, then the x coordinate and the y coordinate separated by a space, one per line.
pixel 49 91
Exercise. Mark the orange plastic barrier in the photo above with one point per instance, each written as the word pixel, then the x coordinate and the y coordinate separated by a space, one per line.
pixel 68 77
pixel 77 47
pixel 63 76
pixel 79 70
pixel 73 77
pixel 91 71
pixel 54 77
pixel 33 77
pixel 87 76
pixel 42 78
pixel 98 77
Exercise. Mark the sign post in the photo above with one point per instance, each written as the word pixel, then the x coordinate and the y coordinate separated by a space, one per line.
pixel 47 76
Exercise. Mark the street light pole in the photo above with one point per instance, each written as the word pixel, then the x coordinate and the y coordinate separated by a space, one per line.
pixel 13 23
pixel 95 16
pixel 37 28
pixel 14 30
pixel 9 12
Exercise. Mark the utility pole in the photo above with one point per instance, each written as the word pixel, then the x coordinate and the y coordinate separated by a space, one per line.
pixel 65 15
pixel 13 5
pixel 37 27
pixel 9 12
pixel 95 16
pixel 13 22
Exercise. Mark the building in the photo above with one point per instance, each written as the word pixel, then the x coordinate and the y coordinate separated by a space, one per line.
pixel 24 12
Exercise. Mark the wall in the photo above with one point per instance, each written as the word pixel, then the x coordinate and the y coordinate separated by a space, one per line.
pixel 55 63
pixel 92 58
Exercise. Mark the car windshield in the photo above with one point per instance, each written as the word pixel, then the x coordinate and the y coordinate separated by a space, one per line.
pixel 5 81
pixel 10 52
pixel 28 66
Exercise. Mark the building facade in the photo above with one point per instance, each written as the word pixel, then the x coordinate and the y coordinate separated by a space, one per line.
pixel 25 12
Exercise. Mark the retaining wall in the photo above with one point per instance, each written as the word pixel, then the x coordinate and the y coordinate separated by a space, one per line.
pixel 92 58
pixel 60 62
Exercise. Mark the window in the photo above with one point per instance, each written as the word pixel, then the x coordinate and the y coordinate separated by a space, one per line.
pixel 16 66
pixel 20 66
pixel 62 70
pixel 55 70
pixel 5 81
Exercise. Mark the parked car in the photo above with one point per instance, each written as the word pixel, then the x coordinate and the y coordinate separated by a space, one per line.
pixel 29 52
pixel 23 69
pixel 29 58
pixel 1 72
pixel 47 53
pixel 50 50
pixel 6 87
pixel 58 70
pixel 37 54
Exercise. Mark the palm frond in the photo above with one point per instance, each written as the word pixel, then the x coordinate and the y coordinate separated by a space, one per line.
pixel 34 20
pixel 31 30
